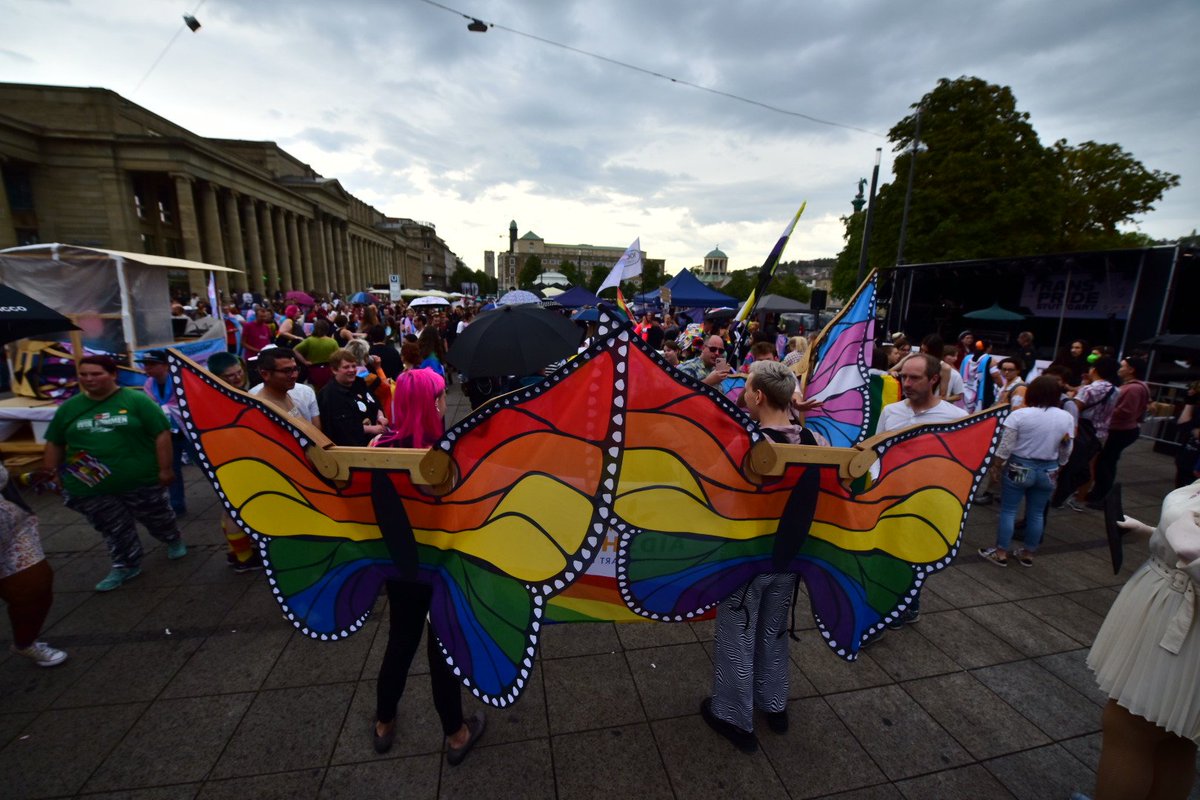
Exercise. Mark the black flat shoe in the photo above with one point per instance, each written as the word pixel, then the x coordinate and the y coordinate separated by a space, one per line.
pixel 476 725
pixel 745 741
pixel 777 721
pixel 383 742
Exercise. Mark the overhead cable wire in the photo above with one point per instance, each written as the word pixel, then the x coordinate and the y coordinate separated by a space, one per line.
pixel 163 54
pixel 652 73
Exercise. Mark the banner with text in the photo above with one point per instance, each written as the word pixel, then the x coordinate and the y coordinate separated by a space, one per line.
pixel 1088 297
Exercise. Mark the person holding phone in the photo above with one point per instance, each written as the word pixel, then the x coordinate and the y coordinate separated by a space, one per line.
pixel 709 367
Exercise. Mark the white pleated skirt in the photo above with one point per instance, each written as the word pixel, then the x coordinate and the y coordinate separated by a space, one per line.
pixel 1131 663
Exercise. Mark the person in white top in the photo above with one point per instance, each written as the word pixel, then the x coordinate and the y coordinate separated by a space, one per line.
pixel 279 388
pixel 1037 440
pixel 919 376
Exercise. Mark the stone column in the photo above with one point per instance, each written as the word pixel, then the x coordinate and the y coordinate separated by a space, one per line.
pixel 189 229
pixel 297 270
pixel 320 259
pixel 254 245
pixel 214 243
pixel 331 264
pixel 281 251
pixel 237 247
pixel 8 225
pixel 306 254
pixel 268 237
pixel 343 234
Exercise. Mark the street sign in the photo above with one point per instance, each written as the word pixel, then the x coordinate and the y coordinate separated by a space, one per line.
pixel 394 287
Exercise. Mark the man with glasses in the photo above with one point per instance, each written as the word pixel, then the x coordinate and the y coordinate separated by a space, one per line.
pixel 277 366
pixel 710 367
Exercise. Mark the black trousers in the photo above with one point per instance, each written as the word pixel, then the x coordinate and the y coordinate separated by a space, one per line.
pixel 1106 464
pixel 408 605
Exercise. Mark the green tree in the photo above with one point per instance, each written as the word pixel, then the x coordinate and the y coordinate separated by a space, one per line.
pixel 529 272
pixel 462 274
pixel 984 186
pixel 487 285
pixel 1104 187
pixel 741 283
pixel 597 278
pixel 652 276
pixel 572 272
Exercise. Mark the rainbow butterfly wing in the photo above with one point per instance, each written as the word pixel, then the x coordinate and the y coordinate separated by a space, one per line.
pixel 840 379
pixel 868 553
pixel 506 537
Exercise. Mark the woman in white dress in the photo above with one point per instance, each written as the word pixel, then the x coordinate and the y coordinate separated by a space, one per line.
pixel 1147 660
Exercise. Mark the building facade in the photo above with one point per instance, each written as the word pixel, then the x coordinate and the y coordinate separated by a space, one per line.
pixel 86 166
pixel 587 258
pixel 715 270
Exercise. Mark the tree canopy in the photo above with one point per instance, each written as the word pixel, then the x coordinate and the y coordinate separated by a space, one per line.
pixel 984 186
pixel 530 271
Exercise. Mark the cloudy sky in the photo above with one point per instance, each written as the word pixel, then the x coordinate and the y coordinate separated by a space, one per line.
pixel 423 119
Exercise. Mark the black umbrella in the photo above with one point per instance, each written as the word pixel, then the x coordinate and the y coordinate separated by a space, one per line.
pixel 513 340
pixel 22 316
pixel 1180 342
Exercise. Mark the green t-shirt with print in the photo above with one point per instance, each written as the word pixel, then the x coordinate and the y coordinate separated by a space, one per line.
pixel 118 432
pixel 317 349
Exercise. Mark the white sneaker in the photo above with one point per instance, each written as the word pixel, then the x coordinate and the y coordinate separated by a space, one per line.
pixel 43 654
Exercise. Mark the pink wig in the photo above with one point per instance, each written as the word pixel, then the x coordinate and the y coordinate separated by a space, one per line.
pixel 415 414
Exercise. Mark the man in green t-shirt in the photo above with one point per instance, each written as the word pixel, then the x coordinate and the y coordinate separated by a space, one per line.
pixel 111 448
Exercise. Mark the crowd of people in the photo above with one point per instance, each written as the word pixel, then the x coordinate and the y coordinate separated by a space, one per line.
pixel 375 375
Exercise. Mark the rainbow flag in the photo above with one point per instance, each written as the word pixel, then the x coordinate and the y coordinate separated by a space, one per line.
pixel 621 304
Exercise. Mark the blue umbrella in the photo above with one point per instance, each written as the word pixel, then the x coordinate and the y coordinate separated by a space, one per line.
pixel 586 315
pixel 362 298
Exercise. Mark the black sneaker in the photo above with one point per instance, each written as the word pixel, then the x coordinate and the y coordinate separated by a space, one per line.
pixel 745 741
pixel 778 721
pixel 252 564
pixel 906 617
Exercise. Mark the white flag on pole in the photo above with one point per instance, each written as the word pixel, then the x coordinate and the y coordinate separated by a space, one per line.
pixel 214 307
pixel 629 266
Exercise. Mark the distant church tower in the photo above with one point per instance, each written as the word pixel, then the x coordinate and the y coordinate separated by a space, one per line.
pixel 512 236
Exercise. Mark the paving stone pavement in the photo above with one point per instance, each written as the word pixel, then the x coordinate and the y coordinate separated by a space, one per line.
pixel 187 683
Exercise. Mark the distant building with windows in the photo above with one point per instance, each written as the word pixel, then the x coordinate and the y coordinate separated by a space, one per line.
pixel 87 166
pixel 586 257
pixel 715 269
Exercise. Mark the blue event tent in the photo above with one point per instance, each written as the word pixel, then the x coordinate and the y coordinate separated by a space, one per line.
pixel 688 292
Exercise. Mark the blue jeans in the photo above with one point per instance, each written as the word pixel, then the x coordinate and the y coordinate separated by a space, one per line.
pixel 179 445
pixel 1029 479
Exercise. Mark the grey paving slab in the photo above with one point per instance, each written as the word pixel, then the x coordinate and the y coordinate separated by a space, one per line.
pixel 419 730
pixel 634 635
pixel 11 725
pixel 954 784
pixel 306 661
pixel 525 719
pixel 883 791
pixel 519 769
pixel 906 654
pixel 1044 772
pixel 129 672
pixel 279 786
pixel 1098 601
pixel 179 791
pixel 26 687
pixel 286 729
pixel 412 778
pixel 976 717
pixel 1071 668
pixel 232 662
pixel 818 755
pixel 611 762
pixel 1086 749
pixel 1016 626
pixel 1066 616
pixel 900 735
pixel 964 640
pixel 958 588
pixel 103 615
pixel 579 639
pixel 191 607
pixel 701 763
pixel 55 754
pixel 828 672
pixel 1056 708
pixel 671 681
pixel 590 692
pixel 1009 583
pixel 174 741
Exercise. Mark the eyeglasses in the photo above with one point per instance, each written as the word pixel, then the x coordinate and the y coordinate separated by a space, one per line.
pixel 1009 369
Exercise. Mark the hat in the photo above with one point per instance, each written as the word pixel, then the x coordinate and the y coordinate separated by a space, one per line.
pixel 154 357
pixel 291 311
pixel 964 333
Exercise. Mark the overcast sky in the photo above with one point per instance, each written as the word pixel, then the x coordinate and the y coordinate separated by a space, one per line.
pixel 423 119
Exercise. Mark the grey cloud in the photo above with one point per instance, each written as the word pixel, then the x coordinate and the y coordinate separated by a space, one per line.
pixel 328 140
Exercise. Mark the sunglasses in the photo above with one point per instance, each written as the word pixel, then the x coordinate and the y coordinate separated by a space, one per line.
pixel 712 349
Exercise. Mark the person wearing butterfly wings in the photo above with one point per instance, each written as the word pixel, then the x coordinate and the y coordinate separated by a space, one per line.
pixel 750 662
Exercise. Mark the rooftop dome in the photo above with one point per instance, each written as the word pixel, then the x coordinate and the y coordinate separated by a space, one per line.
pixel 716 253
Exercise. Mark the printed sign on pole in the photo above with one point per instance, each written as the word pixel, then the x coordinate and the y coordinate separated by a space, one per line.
pixel 394 287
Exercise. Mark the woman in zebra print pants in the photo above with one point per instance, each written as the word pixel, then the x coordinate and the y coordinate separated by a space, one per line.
pixel 750 662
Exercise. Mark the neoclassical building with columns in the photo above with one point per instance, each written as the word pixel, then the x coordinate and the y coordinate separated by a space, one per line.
pixel 86 166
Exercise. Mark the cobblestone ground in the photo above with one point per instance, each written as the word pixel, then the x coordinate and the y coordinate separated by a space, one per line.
pixel 188 683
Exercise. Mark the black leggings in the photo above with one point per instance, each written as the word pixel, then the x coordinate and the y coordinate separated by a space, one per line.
pixel 408 606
